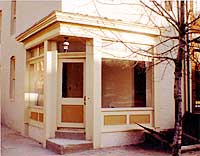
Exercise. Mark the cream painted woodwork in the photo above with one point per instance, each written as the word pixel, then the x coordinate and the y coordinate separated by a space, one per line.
pixel 71 108
pixel 50 91
pixel 35 65
pixel 123 119
pixel 36 116
pixel 99 32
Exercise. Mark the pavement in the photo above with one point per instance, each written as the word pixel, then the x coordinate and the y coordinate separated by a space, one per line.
pixel 13 144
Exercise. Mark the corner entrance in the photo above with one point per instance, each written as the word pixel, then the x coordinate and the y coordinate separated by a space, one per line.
pixel 71 112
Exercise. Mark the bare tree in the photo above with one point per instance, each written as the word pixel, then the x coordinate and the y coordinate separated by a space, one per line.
pixel 180 21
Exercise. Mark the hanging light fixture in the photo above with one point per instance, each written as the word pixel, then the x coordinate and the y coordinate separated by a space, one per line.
pixel 65 44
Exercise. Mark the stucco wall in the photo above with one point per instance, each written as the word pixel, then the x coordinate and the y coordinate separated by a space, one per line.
pixel 164 92
pixel 12 110
pixel 102 8
pixel 28 13
pixel 121 138
pixel 166 96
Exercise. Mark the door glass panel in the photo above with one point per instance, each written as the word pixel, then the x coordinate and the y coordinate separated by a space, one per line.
pixel 72 80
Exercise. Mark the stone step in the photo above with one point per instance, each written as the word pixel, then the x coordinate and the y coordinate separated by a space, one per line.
pixel 62 146
pixel 75 134
pixel 71 129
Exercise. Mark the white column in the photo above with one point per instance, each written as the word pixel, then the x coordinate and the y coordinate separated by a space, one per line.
pixel 88 90
pixel 149 88
pixel 156 97
pixel 50 91
pixel 26 95
pixel 97 45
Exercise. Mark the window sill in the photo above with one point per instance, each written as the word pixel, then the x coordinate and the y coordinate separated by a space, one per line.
pixel 36 107
pixel 127 109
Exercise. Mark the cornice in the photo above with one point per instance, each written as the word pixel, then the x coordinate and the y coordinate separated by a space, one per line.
pixel 80 19
pixel 43 23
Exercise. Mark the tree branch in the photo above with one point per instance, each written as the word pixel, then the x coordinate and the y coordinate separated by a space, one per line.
pixel 160 13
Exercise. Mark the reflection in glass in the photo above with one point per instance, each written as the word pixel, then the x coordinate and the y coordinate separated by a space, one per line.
pixel 126 83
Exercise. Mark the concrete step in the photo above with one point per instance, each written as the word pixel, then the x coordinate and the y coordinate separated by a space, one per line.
pixel 72 133
pixel 62 146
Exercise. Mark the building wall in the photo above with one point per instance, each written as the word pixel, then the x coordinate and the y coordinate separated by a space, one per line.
pixel 12 110
pixel 103 8
pixel 30 12
pixel 122 138
pixel 166 96
pixel 27 13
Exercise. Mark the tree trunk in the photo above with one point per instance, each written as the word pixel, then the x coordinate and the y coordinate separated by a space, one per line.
pixel 177 141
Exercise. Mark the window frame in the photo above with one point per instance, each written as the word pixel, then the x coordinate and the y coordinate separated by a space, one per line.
pixel 13 17
pixel 12 77
pixel 168 4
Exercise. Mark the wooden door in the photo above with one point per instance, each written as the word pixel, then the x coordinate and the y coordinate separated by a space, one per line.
pixel 71 103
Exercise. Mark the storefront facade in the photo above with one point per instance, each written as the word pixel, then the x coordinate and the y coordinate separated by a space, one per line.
pixel 79 74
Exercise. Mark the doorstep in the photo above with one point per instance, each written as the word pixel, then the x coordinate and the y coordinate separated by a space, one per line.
pixel 62 146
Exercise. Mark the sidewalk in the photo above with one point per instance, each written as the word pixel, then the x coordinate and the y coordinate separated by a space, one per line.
pixel 13 144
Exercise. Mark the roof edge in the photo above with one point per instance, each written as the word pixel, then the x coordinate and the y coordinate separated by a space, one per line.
pixel 58 16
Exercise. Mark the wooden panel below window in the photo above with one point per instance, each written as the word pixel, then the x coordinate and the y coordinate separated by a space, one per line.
pixel 140 118
pixel 114 119
pixel 37 116
pixel 34 116
pixel 72 113
pixel 41 117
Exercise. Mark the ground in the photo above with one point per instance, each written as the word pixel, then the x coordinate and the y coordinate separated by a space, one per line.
pixel 13 144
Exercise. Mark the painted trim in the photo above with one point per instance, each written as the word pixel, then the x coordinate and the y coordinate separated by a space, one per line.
pixel 71 55
pixel 37 110
pixel 88 21
pixel 114 120
pixel 128 113
pixel 74 101
pixel 43 35
pixel 123 128
pixel 127 109
pixel 37 58
pixel 64 101
pixel 139 118
pixel 72 125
